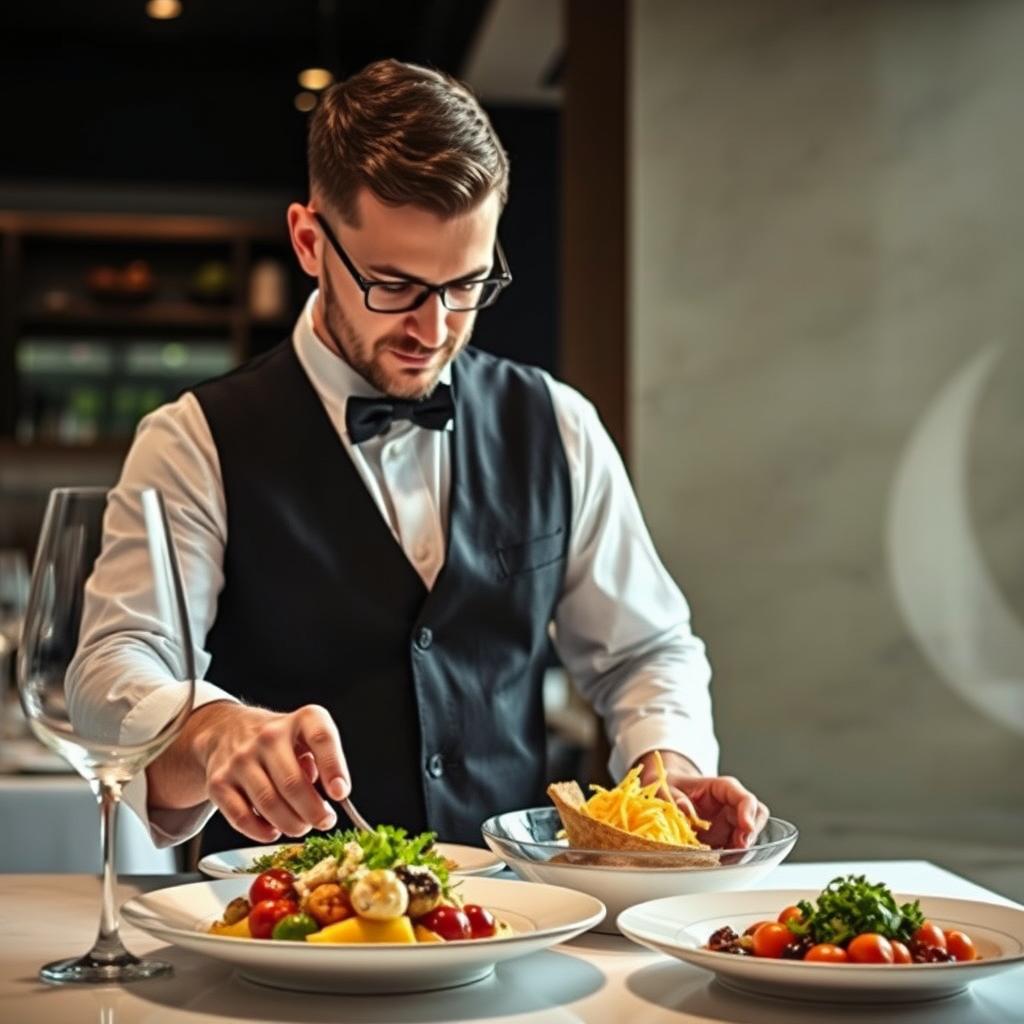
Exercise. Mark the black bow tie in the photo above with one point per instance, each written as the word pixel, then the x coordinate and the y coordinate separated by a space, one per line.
pixel 368 417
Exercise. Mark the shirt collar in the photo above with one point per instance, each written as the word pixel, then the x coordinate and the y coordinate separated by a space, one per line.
pixel 333 378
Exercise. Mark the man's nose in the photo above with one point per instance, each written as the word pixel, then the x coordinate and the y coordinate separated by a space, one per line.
pixel 429 324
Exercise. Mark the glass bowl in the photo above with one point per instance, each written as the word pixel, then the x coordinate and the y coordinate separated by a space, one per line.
pixel 528 842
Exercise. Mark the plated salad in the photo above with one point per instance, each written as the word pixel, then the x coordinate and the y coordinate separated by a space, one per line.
pixel 852 921
pixel 356 887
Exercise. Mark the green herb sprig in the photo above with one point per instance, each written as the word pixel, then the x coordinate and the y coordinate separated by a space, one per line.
pixel 384 847
pixel 850 905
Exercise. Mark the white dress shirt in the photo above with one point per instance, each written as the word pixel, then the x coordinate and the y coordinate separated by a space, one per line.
pixel 621 626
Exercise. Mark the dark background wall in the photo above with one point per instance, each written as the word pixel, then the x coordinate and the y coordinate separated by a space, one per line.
pixel 104 108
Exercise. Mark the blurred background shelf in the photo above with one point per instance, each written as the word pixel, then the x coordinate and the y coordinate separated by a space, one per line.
pixel 82 313
pixel 106 316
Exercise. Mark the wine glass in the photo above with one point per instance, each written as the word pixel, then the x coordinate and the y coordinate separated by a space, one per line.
pixel 13 598
pixel 65 638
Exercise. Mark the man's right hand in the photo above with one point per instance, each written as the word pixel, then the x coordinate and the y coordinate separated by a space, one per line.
pixel 259 767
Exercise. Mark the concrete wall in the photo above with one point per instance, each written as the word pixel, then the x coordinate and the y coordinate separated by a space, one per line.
pixel 828 402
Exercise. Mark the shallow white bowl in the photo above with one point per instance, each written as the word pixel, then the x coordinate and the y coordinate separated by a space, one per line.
pixel 540 915
pixel 679 926
pixel 527 841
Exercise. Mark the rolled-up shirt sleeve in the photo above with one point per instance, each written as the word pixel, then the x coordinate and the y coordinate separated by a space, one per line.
pixel 123 683
pixel 622 626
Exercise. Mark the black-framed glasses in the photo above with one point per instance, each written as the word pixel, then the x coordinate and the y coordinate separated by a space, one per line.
pixel 460 295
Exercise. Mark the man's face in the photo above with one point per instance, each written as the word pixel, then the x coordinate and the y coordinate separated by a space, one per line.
pixel 401 354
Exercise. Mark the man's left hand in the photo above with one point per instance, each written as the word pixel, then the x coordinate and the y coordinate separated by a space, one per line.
pixel 736 815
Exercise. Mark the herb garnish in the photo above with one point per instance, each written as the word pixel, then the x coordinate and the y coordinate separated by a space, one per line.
pixel 852 905
pixel 384 847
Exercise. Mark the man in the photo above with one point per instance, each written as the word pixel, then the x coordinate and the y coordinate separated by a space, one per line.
pixel 380 529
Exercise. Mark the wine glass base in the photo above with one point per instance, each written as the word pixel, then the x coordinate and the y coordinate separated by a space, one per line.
pixel 87 970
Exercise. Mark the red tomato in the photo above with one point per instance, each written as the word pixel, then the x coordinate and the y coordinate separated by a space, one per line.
pixel 265 914
pixel 770 940
pixel 826 953
pixel 753 928
pixel 930 935
pixel 900 953
pixel 961 946
pixel 448 922
pixel 790 914
pixel 275 884
pixel 481 921
pixel 870 948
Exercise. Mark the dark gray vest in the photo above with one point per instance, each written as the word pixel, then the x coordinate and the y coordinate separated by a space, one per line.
pixel 437 695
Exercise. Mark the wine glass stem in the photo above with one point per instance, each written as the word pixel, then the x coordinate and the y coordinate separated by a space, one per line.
pixel 108 945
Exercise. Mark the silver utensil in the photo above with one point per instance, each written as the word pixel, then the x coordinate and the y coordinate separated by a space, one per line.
pixel 354 816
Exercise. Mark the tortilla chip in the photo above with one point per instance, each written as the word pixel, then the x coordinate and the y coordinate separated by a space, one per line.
pixel 587 834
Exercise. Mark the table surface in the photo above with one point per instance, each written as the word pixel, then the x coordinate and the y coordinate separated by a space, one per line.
pixel 594 978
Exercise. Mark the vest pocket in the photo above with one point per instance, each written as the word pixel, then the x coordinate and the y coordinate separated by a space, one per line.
pixel 536 553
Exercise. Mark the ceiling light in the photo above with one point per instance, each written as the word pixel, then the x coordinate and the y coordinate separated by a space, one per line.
pixel 163 10
pixel 315 78
pixel 305 102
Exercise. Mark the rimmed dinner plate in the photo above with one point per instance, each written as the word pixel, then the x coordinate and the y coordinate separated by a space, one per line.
pixel 470 860
pixel 681 925
pixel 540 916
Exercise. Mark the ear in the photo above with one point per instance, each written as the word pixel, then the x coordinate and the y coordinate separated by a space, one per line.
pixel 307 240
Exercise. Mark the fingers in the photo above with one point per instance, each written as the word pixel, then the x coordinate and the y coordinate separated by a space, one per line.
pixel 731 803
pixel 750 814
pixel 294 795
pixel 265 794
pixel 263 776
pixel 238 811
pixel 308 763
pixel 315 730
pixel 761 819
pixel 683 802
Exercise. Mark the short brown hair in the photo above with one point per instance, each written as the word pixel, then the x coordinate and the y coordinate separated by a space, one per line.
pixel 412 135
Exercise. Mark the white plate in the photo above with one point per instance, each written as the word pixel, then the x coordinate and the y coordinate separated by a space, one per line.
pixel 540 915
pixel 680 925
pixel 471 860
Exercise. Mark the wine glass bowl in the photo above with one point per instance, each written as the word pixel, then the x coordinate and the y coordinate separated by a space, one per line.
pixel 78 661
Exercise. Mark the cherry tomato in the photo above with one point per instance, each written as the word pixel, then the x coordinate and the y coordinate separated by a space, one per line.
pixel 770 940
pixel 275 884
pixel 481 921
pixel 826 953
pixel 900 953
pixel 265 914
pixel 753 928
pixel 790 914
pixel 448 922
pixel 930 935
pixel 961 946
pixel 870 948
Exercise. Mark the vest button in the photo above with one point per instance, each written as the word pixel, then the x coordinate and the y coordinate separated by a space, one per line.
pixel 435 766
pixel 424 638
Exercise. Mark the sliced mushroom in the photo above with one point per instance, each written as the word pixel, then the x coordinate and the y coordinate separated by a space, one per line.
pixel 237 909
pixel 424 888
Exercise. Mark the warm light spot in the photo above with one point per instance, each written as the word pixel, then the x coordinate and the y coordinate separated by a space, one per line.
pixel 163 10
pixel 315 78
pixel 305 101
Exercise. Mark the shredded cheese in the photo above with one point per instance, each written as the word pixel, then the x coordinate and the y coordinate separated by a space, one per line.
pixel 639 810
